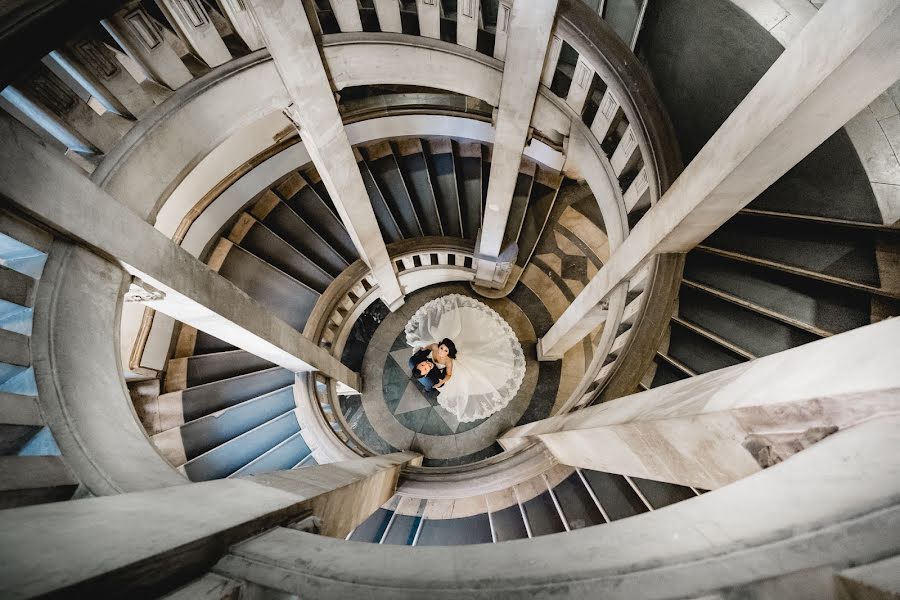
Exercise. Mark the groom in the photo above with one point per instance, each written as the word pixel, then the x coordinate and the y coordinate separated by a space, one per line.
pixel 423 369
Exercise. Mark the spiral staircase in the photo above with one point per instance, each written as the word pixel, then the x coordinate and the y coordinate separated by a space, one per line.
pixel 810 258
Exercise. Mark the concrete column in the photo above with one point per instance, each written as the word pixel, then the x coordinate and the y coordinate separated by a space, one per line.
pixel 45 185
pixel 530 25
pixel 713 429
pixel 429 12
pixel 127 532
pixel 467 15
pixel 846 56
pixel 346 13
pixel 242 21
pixel 296 54
pixel 137 34
pixel 388 12
pixel 191 20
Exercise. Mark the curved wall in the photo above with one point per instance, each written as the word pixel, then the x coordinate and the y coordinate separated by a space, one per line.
pixel 77 368
pixel 704 56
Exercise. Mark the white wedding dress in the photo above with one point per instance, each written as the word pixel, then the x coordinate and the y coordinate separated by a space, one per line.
pixel 489 365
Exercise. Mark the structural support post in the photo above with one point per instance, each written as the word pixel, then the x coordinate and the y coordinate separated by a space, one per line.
pixel 46 185
pixel 530 25
pixel 181 531
pixel 293 47
pixel 713 429
pixel 847 55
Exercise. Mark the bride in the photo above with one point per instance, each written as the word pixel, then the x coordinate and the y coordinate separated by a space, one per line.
pixel 477 355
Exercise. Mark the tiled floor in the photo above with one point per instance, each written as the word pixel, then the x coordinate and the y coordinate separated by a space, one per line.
pixel 394 412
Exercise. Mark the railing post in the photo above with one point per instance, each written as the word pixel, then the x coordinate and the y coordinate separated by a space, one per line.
pixel 847 55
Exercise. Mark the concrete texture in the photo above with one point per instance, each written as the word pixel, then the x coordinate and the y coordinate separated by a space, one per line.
pixel 293 46
pixel 695 432
pixel 787 124
pixel 785 519
pixel 691 48
pixel 180 531
pixel 44 183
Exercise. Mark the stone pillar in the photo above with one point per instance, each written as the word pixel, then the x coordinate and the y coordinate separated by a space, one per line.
pixel 242 21
pixel 139 36
pixel 429 12
pixel 530 25
pixel 45 185
pixel 847 55
pixel 128 532
pixel 293 47
pixel 713 429
pixel 388 12
pixel 191 19
pixel 346 13
pixel 467 16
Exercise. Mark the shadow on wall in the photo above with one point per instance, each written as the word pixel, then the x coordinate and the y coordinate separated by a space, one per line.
pixel 704 57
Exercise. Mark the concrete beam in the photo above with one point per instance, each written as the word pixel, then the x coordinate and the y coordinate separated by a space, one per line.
pixel 181 531
pixel 846 56
pixel 713 429
pixel 47 186
pixel 530 25
pixel 294 49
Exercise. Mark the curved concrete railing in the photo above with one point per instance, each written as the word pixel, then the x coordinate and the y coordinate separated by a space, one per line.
pixel 625 153
pixel 784 519
pixel 80 389
pixel 348 296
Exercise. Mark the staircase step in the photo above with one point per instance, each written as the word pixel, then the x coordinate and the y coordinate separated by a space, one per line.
pixel 442 167
pixel 471 202
pixel 454 532
pixel 754 332
pixel 16 287
pixel 208 344
pixel 373 528
pixel 519 206
pixel 282 457
pixel 322 217
pixel 386 223
pixel 201 369
pixel 211 397
pixel 264 243
pixel 290 226
pixel 14 348
pixel 698 353
pixel 543 517
pixel 508 524
pixel 660 493
pixel 386 173
pixel 27 480
pixel 201 435
pixel 815 304
pixel 540 203
pixel 576 503
pixel 411 159
pixel 227 458
pixel 614 494
pixel 288 298
pixel 20 420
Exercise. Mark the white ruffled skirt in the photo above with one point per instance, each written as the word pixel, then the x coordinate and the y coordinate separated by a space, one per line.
pixel 489 366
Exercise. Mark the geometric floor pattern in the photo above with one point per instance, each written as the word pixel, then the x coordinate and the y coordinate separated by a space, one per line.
pixel 410 404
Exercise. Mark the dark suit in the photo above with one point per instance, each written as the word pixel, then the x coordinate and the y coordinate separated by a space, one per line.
pixel 434 375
